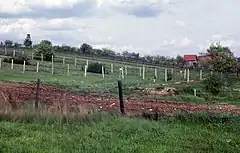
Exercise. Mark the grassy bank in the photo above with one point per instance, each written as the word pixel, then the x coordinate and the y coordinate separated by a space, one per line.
pixel 111 133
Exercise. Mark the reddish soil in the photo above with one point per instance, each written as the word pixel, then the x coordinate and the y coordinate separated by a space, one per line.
pixel 49 95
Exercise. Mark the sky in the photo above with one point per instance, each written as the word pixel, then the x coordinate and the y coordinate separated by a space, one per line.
pixel 150 27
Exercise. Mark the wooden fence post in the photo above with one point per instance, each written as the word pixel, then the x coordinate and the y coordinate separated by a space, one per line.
pixel 122 110
pixel 37 94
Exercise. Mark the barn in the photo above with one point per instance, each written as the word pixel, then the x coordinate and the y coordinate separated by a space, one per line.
pixel 190 60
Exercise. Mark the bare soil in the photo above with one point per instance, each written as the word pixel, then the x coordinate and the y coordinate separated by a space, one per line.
pixel 18 93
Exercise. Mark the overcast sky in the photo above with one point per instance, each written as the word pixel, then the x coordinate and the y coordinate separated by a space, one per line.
pixel 155 27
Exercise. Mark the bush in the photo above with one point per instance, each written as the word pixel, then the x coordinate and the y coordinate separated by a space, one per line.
pixel 18 60
pixel 213 84
pixel 95 68
pixel 169 76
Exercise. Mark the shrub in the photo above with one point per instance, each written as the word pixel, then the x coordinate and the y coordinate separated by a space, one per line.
pixel 169 76
pixel 95 68
pixel 213 84
pixel 18 60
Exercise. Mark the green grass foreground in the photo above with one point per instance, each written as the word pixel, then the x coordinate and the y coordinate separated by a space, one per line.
pixel 110 133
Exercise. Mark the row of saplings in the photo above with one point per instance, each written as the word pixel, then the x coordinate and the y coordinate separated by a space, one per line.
pixel 19 59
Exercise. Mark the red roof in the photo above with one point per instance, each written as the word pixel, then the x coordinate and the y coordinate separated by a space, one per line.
pixel 188 58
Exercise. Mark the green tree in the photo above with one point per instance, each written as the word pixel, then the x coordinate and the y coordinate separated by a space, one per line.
pixel 45 48
pixel 223 59
pixel 180 61
pixel 9 43
pixel 86 49
pixel 28 42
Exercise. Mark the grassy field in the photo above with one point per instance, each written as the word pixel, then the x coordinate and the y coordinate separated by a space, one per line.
pixel 110 133
pixel 95 82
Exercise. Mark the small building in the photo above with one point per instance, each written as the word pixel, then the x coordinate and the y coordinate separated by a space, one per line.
pixel 190 60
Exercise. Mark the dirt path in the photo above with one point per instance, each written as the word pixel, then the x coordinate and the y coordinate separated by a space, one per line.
pixel 50 95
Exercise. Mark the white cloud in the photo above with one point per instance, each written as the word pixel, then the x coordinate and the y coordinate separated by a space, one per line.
pixel 164 27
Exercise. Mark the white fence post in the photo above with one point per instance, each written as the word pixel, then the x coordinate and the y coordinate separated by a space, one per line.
pixel 85 71
pixel 188 75
pixel 5 49
pixel 37 66
pixel 14 53
pixel 63 60
pixel 111 68
pixel 185 74
pixel 201 74
pixel 103 72
pixel 155 73
pixel 140 71
pixel 42 57
pixel 75 61
pixel 52 65
pixel 0 62
pixel 143 75
pixel 68 70
pixel 32 56
pixel 23 52
pixel 87 63
pixel 12 65
pixel 24 66
pixel 195 92
pixel 126 72
pixel 166 77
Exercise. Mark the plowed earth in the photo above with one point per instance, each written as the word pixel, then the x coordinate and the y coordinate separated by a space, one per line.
pixel 50 95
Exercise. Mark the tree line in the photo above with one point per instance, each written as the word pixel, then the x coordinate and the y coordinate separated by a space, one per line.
pixel 86 49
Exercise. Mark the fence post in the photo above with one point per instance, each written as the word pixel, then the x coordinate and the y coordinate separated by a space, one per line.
pixel 166 76
pixel 63 60
pixel 155 73
pixel 140 71
pixel 126 72
pixel 85 71
pixel 0 62
pixel 42 57
pixel 23 52
pixel 121 97
pixel 5 49
pixel 37 94
pixel 103 72
pixel 111 68
pixel 32 56
pixel 87 63
pixel 14 53
pixel 143 75
pixel 200 74
pixel 12 65
pixel 185 74
pixel 68 70
pixel 52 64
pixel 195 92
pixel 188 75
pixel 75 61
pixel 37 66
pixel 24 65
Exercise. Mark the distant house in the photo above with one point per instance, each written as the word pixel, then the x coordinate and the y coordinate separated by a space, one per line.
pixel 190 60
